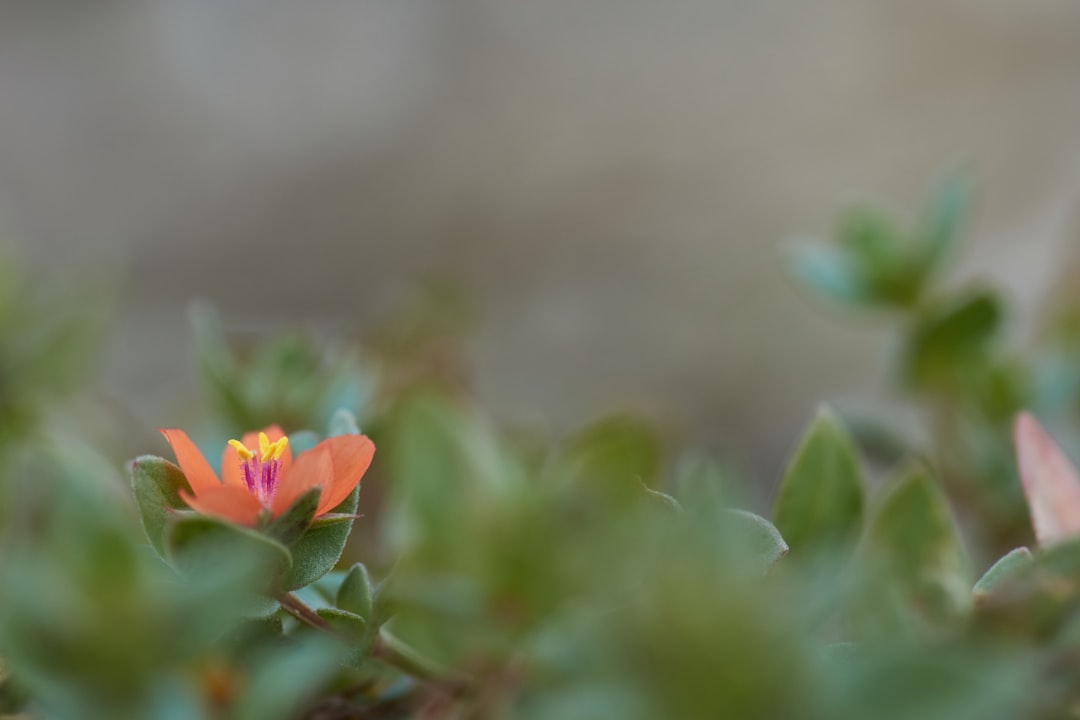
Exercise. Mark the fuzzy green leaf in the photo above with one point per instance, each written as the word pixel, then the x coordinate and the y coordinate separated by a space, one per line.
pixel 1037 596
pixel 354 630
pixel 319 549
pixel 756 537
pixel 913 559
pixel 155 483
pixel 820 503
pixel 355 592
pixel 1001 571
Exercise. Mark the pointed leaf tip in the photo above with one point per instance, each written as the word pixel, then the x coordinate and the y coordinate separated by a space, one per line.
pixel 1050 482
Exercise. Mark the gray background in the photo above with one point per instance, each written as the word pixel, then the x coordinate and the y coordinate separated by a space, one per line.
pixel 613 180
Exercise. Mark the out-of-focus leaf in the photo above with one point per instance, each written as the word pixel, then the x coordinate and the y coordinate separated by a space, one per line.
pixel 662 499
pixel 286 678
pixel 302 441
pixel 952 338
pixel 613 457
pixel 913 559
pixel 354 631
pixel 355 592
pixel 829 271
pixel 756 537
pixel 198 542
pixel 156 482
pixel 1036 597
pixel 319 549
pixel 945 215
pixel 343 423
pixel 821 496
pixel 1050 483
pixel 1001 571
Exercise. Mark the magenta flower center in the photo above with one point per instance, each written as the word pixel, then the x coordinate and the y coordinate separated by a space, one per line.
pixel 261 469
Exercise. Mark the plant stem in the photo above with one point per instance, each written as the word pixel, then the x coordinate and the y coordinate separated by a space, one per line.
pixel 300 610
pixel 388 650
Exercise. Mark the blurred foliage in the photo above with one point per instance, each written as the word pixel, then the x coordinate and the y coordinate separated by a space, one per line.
pixel 953 357
pixel 49 333
pixel 287 380
pixel 599 573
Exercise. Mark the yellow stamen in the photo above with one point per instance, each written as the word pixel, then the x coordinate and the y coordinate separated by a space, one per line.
pixel 264 447
pixel 242 451
pixel 279 448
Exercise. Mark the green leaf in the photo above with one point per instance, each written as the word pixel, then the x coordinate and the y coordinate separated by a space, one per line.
pixel 828 271
pixel 945 215
pixel 820 502
pixel 354 630
pixel 155 483
pixel 291 525
pixel 283 679
pixel 882 260
pixel 614 456
pixel 301 442
pixel 755 538
pixel 913 561
pixel 1001 571
pixel 355 592
pixel 319 549
pixel 349 624
pixel 951 339
pixel 343 423
pixel 199 542
pixel 662 499
pixel 1037 596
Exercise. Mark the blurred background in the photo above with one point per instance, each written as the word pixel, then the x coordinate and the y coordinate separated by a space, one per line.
pixel 613 184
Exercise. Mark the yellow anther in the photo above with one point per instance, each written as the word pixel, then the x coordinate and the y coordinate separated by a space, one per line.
pixel 242 451
pixel 264 447
pixel 278 448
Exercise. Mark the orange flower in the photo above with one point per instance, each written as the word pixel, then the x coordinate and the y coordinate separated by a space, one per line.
pixel 259 475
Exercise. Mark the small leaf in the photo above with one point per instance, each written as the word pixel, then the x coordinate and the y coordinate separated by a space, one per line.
pixel 301 442
pixel 319 549
pixel 354 630
pixel 828 271
pixel 1038 595
pixel 912 557
pixel 755 536
pixel 1050 483
pixel 291 525
pixel 155 483
pixel 343 423
pixel 820 502
pixel 355 592
pixel 951 338
pixel 1001 571
pixel 945 215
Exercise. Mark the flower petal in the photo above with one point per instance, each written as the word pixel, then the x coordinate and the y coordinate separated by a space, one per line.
pixel 199 474
pixel 230 460
pixel 1050 483
pixel 227 502
pixel 314 468
pixel 351 455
